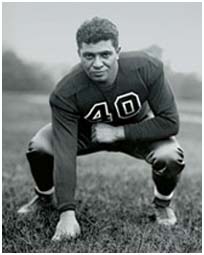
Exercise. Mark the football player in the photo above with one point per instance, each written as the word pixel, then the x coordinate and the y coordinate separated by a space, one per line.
pixel 110 101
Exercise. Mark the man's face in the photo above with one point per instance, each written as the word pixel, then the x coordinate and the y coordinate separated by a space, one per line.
pixel 99 60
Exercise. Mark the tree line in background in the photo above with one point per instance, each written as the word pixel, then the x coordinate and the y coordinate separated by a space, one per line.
pixel 19 75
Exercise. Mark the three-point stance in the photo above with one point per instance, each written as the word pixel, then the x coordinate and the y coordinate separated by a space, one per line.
pixel 110 101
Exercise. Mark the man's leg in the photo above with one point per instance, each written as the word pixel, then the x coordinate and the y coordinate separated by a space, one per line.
pixel 40 158
pixel 167 160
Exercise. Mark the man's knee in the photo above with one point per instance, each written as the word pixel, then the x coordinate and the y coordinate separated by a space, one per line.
pixel 41 142
pixel 168 162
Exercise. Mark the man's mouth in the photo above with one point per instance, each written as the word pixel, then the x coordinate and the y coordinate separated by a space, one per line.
pixel 98 73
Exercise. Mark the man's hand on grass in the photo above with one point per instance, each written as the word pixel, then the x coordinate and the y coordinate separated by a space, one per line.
pixel 67 227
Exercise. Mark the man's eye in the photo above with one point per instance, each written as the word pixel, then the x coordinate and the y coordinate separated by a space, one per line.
pixel 89 56
pixel 105 54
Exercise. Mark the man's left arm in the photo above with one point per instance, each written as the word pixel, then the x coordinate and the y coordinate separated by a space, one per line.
pixel 165 122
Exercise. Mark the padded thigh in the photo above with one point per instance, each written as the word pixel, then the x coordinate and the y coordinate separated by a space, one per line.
pixel 42 140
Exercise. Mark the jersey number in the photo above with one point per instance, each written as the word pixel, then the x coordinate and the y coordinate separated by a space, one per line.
pixel 126 105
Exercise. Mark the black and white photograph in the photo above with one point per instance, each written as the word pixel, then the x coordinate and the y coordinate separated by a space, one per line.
pixel 102 127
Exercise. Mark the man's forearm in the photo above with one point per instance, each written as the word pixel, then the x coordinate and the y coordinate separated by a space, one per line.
pixel 65 151
pixel 152 129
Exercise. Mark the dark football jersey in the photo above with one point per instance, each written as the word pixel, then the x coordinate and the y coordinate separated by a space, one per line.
pixel 140 85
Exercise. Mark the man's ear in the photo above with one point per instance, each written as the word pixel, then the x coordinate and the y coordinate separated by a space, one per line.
pixel 119 49
pixel 78 51
pixel 118 52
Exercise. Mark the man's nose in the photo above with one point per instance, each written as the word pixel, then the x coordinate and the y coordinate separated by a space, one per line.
pixel 97 62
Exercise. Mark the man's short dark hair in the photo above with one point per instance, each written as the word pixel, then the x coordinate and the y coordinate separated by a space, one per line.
pixel 95 30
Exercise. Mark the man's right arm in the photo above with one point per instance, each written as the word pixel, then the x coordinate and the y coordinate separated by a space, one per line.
pixel 65 124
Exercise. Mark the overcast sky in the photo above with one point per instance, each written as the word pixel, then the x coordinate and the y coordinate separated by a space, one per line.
pixel 45 32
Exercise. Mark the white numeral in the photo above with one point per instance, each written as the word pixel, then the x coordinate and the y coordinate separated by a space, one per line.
pixel 126 105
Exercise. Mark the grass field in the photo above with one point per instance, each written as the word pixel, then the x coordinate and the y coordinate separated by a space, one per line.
pixel 113 195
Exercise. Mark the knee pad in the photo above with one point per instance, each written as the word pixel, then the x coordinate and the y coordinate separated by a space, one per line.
pixel 42 141
pixel 34 146
pixel 169 164
pixel 168 169
pixel 39 145
pixel 31 147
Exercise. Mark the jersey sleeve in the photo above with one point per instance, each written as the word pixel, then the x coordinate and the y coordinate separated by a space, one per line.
pixel 165 122
pixel 65 125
